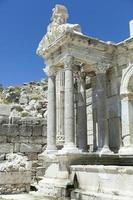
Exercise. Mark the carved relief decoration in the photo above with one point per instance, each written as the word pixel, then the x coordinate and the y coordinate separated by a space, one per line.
pixel 57 27
pixel 126 83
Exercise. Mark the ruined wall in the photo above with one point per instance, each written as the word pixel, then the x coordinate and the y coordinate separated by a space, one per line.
pixel 26 136
pixel 15 174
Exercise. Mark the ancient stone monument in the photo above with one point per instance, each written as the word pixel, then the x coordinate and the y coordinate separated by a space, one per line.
pixel 90 113
pixel 87 151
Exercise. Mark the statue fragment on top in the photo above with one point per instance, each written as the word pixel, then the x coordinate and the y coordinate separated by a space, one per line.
pixel 57 27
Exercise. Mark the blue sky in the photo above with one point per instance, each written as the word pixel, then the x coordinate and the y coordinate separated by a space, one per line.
pixel 24 22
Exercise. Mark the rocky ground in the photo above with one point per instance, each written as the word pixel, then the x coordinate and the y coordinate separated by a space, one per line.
pixel 30 99
pixel 30 196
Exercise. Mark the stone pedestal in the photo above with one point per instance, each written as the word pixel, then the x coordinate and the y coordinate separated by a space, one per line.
pixel 102 182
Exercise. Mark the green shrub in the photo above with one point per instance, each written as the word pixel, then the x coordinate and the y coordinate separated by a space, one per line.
pixel 24 114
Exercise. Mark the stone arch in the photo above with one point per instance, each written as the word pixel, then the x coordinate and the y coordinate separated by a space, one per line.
pixel 126 80
pixel 126 93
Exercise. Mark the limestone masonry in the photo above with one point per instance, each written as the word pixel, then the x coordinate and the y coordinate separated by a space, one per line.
pixel 87 151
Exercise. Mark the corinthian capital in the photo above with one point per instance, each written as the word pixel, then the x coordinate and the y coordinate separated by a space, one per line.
pixel 50 71
pixel 68 62
pixel 101 67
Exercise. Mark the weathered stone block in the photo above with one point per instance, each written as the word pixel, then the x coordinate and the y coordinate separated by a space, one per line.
pixel 121 60
pixel 6 148
pixel 14 188
pixel 10 129
pixel 25 148
pixel 37 140
pixel 2 156
pixel 3 139
pixel 17 120
pixel 5 109
pixel 37 130
pixel 13 139
pixel 31 120
pixel 44 132
pixel 24 139
pixel 15 177
pixel 1 130
pixel 119 69
pixel 40 171
pixel 16 147
pixel 32 156
pixel 4 119
pixel 25 130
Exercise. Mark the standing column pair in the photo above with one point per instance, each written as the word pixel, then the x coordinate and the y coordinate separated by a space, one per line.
pixel 69 145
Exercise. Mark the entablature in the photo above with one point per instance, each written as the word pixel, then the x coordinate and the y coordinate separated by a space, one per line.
pixel 86 51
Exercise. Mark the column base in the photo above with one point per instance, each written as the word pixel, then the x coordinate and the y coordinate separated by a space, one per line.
pixel 105 151
pixel 126 151
pixel 69 148
pixel 48 155
pixel 51 151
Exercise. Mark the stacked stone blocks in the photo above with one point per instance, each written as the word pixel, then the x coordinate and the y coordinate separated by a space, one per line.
pixel 26 136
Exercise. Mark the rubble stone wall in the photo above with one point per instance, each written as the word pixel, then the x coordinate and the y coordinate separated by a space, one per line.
pixel 26 136
pixel 15 174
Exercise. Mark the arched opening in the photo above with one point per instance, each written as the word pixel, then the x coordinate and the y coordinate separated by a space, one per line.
pixel 126 92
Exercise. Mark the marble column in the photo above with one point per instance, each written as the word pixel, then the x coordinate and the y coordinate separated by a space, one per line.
pixel 69 145
pixel 51 121
pixel 81 130
pixel 102 115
